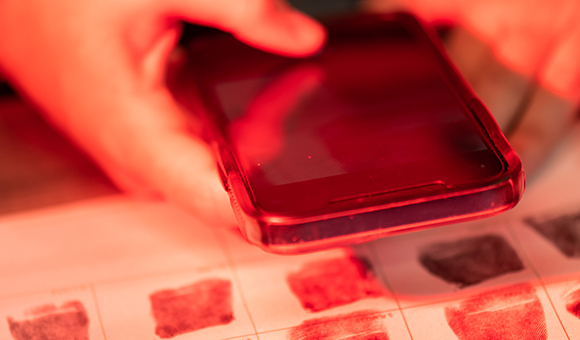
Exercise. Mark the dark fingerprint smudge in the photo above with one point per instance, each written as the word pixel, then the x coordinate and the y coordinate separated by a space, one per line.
pixel 509 314
pixel 470 260
pixel 326 284
pixel 573 303
pixel 563 232
pixel 67 322
pixel 186 309
pixel 362 325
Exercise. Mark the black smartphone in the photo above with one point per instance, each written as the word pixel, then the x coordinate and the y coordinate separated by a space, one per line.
pixel 376 134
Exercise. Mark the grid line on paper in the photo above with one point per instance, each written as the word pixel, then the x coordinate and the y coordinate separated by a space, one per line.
pixel 237 337
pixel 119 279
pixel 514 236
pixel 376 259
pixel 554 308
pixel 233 269
pixel 521 250
pixel 98 309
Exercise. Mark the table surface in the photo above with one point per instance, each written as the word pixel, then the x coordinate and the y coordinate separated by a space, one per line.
pixel 40 167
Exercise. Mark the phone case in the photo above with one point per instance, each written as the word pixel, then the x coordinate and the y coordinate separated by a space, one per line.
pixel 402 205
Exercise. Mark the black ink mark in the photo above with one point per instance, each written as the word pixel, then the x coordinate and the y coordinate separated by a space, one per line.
pixel 203 304
pixel 471 260
pixel 563 232
pixel 67 322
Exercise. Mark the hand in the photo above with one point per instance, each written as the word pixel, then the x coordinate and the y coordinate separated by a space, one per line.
pixel 96 68
pixel 538 39
pixel 521 57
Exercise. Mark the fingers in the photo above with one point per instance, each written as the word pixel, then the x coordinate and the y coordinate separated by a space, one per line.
pixel 547 118
pixel 500 88
pixel 561 73
pixel 99 76
pixel 288 32
pixel 270 25
pixel 554 107
pixel 146 147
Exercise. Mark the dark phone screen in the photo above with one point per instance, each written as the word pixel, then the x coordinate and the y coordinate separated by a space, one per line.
pixel 371 114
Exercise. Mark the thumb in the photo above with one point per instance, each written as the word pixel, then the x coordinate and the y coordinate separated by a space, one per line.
pixel 271 25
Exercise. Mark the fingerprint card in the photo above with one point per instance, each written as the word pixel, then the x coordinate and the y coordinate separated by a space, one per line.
pixel 188 305
pixel 428 266
pixel 116 269
pixel 63 314
pixel 318 285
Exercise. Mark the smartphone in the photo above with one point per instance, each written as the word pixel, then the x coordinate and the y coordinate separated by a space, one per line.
pixel 376 134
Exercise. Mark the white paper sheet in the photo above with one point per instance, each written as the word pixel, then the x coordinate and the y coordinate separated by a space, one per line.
pixel 91 270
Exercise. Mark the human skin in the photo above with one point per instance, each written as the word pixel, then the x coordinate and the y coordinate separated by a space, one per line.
pixel 96 69
pixel 522 58
pixel 538 39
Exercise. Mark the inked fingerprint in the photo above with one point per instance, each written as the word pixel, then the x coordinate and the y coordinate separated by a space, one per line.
pixel 362 325
pixel 573 303
pixel 471 260
pixel 514 313
pixel 325 284
pixel 186 309
pixel 67 322
pixel 563 232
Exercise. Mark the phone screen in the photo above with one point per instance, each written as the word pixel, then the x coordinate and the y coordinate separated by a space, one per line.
pixel 371 114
